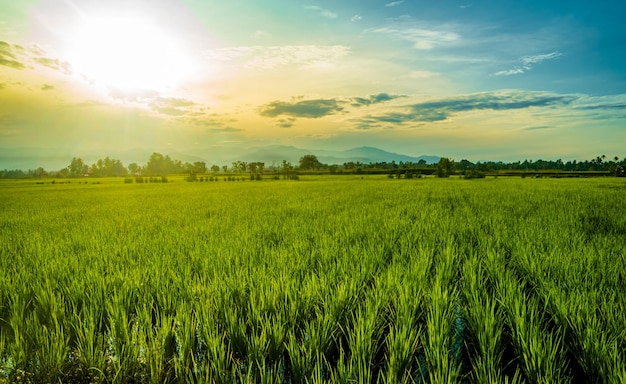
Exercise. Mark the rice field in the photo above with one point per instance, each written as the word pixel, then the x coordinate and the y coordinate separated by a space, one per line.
pixel 322 280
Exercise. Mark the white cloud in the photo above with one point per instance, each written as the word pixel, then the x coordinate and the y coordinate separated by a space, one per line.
pixel 356 18
pixel 261 34
pixel 529 60
pixel 393 3
pixel 509 72
pixel 527 63
pixel 423 39
pixel 423 74
pixel 324 12
pixel 267 57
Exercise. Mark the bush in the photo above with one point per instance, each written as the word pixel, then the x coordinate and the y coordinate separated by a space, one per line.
pixel 163 179
pixel 138 179
pixel 473 174
pixel 128 180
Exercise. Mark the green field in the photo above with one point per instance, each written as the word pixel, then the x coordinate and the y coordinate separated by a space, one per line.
pixel 326 279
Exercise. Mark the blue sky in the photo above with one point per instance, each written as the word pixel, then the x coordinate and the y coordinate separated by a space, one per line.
pixel 482 80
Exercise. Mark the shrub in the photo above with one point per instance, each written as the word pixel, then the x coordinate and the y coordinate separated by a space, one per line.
pixel 473 174
pixel 128 180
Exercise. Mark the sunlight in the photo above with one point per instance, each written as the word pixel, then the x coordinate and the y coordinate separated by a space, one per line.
pixel 129 52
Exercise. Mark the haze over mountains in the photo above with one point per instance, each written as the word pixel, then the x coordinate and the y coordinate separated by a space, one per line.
pixel 55 159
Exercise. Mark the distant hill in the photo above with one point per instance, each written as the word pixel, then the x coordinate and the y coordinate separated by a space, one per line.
pixel 55 159
pixel 275 154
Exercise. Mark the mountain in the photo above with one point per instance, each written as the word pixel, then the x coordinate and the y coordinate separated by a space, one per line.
pixel 55 159
pixel 275 154
pixel 376 155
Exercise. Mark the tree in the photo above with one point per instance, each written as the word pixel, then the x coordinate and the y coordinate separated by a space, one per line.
pixel 310 162
pixel 75 168
pixel 40 172
pixel 199 167
pixel 287 170
pixel 444 167
pixel 225 168
pixel 163 165
pixel 215 168
pixel 134 168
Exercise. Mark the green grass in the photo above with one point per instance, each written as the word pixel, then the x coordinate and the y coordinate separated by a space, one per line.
pixel 326 279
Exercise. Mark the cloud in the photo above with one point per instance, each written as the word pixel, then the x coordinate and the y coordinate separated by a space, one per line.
pixel 374 99
pixel 496 101
pixel 314 108
pixel 171 106
pixel 47 87
pixel 539 127
pixel 442 109
pixel 529 60
pixel 324 12
pixel 214 122
pixel 509 72
pixel 304 56
pixel 423 74
pixel 260 34
pixel 394 3
pixel 601 107
pixel 356 18
pixel 423 39
pixel 286 122
pixel 8 56
pixel 225 130
pixel 61 66
pixel 527 63
pixel 607 103
pixel 133 96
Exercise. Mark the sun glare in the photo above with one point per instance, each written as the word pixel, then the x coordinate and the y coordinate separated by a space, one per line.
pixel 130 53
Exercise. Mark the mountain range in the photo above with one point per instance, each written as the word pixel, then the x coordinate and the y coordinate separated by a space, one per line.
pixel 55 159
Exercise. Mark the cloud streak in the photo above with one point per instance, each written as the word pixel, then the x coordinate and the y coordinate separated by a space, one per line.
pixel 8 55
pixel 422 39
pixel 314 108
pixel 324 12
pixel 527 63
pixel 57 65
pixel 171 106
pixel 317 108
pixel 394 3
pixel 443 109
pixel 374 99
pixel 270 57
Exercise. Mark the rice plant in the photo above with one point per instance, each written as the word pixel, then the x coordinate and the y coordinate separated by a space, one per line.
pixel 327 280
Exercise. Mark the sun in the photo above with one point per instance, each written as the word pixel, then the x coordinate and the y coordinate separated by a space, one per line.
pixel 129 52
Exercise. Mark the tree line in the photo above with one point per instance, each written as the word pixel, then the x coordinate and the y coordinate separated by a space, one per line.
pixel 160 165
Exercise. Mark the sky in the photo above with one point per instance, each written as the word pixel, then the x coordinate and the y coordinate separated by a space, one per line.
pixel 478 80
